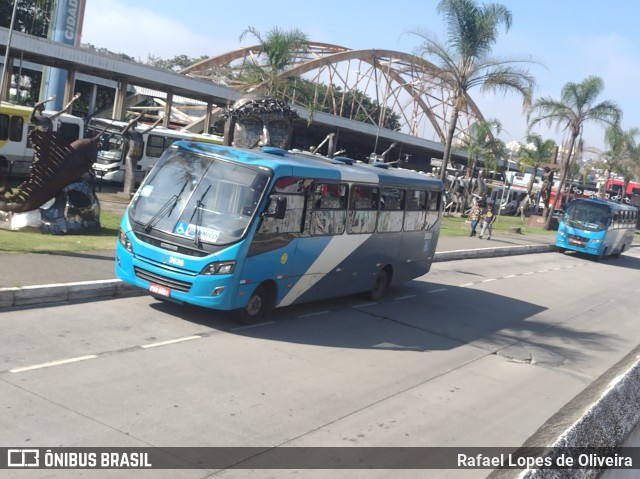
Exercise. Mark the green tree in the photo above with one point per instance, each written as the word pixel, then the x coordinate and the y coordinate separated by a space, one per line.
pixel 32 16
pixel 622 154
pixel 463 61
pixel 279 48
pixel 358 106
pixel 576 106
pixel 535 153
pixel 482 145
pixel 174 64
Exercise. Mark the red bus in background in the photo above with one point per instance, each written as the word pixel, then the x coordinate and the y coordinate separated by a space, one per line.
pixel 612 192
pixel 571 192
pixel 616 185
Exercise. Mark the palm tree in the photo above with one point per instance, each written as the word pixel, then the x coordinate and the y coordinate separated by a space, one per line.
pixel 481 142
pixel 464 61
pixel 536 152
pixel 279 49
pixel 622 154
pixel 577 106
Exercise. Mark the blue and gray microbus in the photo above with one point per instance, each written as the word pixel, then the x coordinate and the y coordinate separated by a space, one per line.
pixel 597 227
pixel 251 230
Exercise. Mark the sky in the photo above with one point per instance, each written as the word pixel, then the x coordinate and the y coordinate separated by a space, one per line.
pixel 568 40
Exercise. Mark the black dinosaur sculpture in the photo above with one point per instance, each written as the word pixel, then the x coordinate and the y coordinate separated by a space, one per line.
pixel 57 163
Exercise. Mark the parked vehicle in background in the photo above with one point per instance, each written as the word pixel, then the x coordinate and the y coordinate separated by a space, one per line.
pixel 112 149
pixel 250 230
pixel 508 198
pixel 597 227
pixel 16 150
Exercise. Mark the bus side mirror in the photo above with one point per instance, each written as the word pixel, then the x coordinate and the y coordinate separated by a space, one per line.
pixel 277 207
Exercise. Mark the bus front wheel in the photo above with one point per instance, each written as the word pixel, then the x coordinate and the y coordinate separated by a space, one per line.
pixel 258 306
pixel 379 286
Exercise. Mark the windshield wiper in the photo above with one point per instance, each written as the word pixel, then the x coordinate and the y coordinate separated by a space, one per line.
pixel 198 214
pixel 166 208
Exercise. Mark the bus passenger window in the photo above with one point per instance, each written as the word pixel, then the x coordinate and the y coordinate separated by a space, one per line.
pixel 393 199
pixel 362 209
pixel 416 215
pixel 434 201
pixel 330 196
pixel 17 124
pixel 417 200
pixel 330 205
pixel 363 197
pixel 155 146
pixel 391 217
pixel 4 127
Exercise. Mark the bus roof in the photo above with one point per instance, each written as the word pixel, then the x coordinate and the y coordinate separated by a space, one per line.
pixel 25 112
pixel 305 164
pixel 16 109
pixel 613 204
pixel 117 126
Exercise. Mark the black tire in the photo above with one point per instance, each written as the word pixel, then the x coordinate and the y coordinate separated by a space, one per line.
pixel 379 286
pixel 602 254
pixel 561 250
pixel 259 305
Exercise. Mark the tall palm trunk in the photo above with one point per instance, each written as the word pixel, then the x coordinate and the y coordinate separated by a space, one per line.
pixel 566 165
pixel 453 121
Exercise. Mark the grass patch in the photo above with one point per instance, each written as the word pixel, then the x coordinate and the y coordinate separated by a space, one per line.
pixel 105 239
pixel 25 241
pixel 456 226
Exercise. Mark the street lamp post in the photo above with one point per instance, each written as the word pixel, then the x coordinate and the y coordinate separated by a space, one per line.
pixel 6 53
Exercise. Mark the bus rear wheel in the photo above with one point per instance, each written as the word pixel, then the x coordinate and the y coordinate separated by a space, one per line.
pixel 258 306
pixel 379 286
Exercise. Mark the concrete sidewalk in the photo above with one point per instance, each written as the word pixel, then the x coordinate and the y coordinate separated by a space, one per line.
pixel 33 279
pixel 21 270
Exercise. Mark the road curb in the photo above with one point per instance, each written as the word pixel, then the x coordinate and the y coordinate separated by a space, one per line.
pixel 602 416
pixel 493 252
pixel 48 294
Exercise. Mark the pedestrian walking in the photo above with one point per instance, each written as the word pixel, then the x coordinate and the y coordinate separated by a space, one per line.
pixel 489 219
pixel 474 217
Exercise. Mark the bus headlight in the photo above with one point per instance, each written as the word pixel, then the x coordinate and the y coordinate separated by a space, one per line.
pixel 124 241
pixel 219 267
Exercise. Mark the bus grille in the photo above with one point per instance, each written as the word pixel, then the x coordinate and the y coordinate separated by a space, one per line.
pixel 162 280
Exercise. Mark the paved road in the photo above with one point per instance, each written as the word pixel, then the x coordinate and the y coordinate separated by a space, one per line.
pixel 476 353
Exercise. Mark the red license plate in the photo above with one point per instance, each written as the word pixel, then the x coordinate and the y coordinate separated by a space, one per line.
pixel 159 290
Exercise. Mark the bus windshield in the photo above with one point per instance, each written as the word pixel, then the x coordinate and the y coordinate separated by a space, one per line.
pixel 587 216
pixel 199 198
pixel 110 148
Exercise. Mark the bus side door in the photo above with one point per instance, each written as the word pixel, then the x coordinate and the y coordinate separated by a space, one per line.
pixel 272 252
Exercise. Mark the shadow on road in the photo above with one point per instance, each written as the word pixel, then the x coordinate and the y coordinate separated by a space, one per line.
pixel 417 316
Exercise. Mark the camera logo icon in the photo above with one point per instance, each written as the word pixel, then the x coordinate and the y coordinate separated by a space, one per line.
pixel 23 458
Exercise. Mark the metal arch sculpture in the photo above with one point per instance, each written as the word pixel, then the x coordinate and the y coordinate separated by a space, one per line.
pixel 404 83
